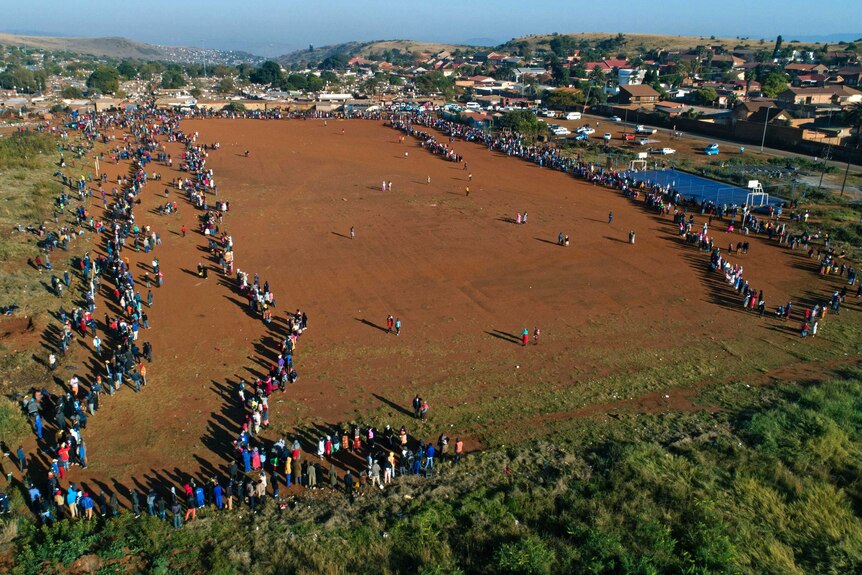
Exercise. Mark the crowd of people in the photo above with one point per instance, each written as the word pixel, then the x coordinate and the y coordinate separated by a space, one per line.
pixel 663 200
pixel 258 466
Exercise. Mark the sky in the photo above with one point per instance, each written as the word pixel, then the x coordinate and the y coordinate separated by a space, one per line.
pixel 274 27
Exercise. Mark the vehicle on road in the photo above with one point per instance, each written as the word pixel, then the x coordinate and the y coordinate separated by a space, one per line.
pixel 560 130
pixel 641 129
pixel 581 136
pixel 473 106
pixel 662 151
pixel 711 150
pixel 607 137
pixel 615 119
pixel 644 141
pixel 587 130
pixel 573 116
pixel 628 136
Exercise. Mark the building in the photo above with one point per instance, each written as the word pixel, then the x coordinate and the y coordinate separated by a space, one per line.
pixel 626 76
pixel 638 94
pixel 821 96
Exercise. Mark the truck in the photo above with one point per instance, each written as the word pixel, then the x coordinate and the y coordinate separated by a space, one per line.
pixel 641 129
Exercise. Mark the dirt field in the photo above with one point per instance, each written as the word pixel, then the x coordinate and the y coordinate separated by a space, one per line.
pixel 618 321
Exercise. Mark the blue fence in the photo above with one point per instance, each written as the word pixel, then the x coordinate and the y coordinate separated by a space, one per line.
pixel 697 187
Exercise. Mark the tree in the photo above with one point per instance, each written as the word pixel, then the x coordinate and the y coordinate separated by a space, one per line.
pixel 268 73
pixel 853 116
pixel 297 82
pixel 436 82
pixel 314 83
pixel 149 69
pixel 579 72
pixel 104 79
pixel 71 93
pixel 195 92
pixel 776 52
pixel 16 76
pixel 773 84
pixel 524 122
pixel 225 86
pixel 329 77
pixel 237 107
pixel 334 62
pixel 173 79
pixel 562 99
pixel 127 70
pixel 706 95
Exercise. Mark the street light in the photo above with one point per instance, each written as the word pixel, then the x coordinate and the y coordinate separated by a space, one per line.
pixel 765 122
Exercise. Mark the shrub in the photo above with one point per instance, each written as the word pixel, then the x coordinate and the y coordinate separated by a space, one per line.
pixel 528 556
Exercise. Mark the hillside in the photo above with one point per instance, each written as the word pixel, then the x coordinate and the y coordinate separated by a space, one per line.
pixel 639 43
pixel 364 49
pixel 122 48
pixel 109 47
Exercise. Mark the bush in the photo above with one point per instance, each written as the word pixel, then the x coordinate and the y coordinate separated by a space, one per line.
pixel 21 148
pixel 13 423
pixel 528 556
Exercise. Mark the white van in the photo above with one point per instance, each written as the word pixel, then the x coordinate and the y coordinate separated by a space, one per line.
pixel 473 106
pixel 573 116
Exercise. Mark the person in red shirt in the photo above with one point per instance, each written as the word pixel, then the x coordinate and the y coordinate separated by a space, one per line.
pixel 63 454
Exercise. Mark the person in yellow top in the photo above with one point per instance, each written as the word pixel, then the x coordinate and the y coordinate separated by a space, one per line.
pixel 143 372
pixel 288 474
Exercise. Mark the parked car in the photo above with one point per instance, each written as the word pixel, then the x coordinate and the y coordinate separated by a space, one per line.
pixel 607 137
pixel 641 129
pixel 664 151
pixel 581 136
pixel 615 119
pixel 628 136
pixel 643 141
pixel 473 106
pixel 560 131
pixel 586 130
pixel 711 150
pixel 573 116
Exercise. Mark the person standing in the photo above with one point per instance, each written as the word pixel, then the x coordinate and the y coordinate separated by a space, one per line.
pixel 632 237
pixel 183 230
pixel 176 511
pixel 610 217
pixel 397 327
pixel 417 405
pixel 536 333
pixel 390 322
pixel 22 459
pixel 525 337
pixel 352 232
pixel 87 505
pixel 459 449
pixel 37 423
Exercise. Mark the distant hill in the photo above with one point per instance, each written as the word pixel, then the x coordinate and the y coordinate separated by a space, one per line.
pixel 364 49
pixel 120 48
pixel 108 47
pixel 639 42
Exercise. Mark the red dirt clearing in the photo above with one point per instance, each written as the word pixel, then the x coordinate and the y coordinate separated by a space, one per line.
pixel 462 278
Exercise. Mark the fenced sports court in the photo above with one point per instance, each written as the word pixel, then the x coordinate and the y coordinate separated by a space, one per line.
pixel 697 187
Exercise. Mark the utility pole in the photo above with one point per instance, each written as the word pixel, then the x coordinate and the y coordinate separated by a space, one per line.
pixel 847 170
pixel 765 122
pixel 823 171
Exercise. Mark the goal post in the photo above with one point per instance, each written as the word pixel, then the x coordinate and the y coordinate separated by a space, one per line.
pixel 756 197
